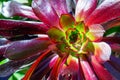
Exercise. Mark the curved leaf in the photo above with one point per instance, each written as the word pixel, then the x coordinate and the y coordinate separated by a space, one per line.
pixel 110 9
pixel 60 6
pixel 13 27
pixel 45 12
pixel 22 49
pixel 13 8
pixel 84 8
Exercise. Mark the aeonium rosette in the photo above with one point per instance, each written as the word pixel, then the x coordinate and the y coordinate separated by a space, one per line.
pixel 72 47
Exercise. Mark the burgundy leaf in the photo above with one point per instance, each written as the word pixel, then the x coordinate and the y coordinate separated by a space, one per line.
pixel 45 12
pixel 110 9
pixel 13 8
pixel 22 49
pixel 115 47
pixel 12 27
pixel 111 39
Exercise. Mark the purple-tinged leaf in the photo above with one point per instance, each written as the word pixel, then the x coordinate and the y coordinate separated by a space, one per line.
pixel 84 8
pixel 13 8
pixel 112 70
pixel 2 51
pixel 115 62
pixel 110 9
pixel 22 49
pixel 80 71
pixel 75 1
pixel 101 72
pixel 3 41
pixel 111 23
pixel 45 12
pixel 59 6
pixel 11 66
pixel 12 27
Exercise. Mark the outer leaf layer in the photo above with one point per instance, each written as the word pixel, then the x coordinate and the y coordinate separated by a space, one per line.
pixel 11 66
pixel 101 72
pixel 26 48
pixel 88 72
pixel 13 8
pixel 84 8
pixel 110 9
pixel 45 12
pixel 111 23
pixel 12 27
pixel 60 6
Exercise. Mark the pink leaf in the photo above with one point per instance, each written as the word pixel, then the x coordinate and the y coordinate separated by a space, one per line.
pixel 72 70
pixel 95 32
pixel 84 8
pixel 88 72
pixel 45 12
pixel 102 51
pixel 57 67
pixel 101 72
pixel 106 11
pixel 60 6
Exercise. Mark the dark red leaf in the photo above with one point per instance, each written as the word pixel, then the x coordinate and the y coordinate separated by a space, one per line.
pixel 111 39
pixel 12 27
